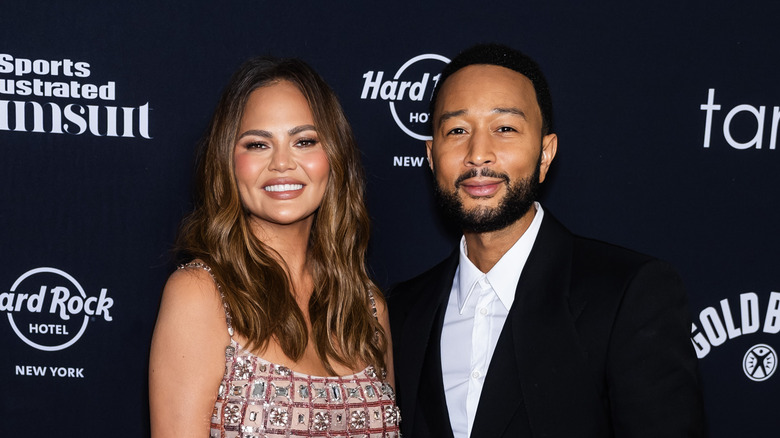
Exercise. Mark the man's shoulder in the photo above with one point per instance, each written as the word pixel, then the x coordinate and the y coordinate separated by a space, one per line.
pixel 593 255
pixel 597 252
pixel 599 267
pixel 432 278
pixel 598 256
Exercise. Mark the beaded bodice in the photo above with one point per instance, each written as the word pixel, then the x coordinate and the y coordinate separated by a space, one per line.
pixel 257 398
pixel 260 399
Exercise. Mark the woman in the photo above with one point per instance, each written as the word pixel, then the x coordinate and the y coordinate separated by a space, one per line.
pixel 274 328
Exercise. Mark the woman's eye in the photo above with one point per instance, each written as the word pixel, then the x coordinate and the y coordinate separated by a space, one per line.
pixel 306 142
pixel 256 145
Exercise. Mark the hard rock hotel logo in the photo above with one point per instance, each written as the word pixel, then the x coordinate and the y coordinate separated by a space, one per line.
pixel 49 310
pixel 407 92
pixel 35 95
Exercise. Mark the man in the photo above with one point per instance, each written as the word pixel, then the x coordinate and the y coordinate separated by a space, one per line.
pixel 527 330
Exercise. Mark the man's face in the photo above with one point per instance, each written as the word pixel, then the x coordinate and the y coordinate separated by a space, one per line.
pixel 488 154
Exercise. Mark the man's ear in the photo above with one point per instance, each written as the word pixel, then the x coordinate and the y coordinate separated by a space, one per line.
pixel 428 144
pixel 549 148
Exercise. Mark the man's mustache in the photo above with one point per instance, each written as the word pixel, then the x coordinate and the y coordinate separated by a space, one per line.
pixel 487 173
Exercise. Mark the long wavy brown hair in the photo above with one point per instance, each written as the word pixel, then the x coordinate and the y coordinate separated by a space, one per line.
pixel 256 287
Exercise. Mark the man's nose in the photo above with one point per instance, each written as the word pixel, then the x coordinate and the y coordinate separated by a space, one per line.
pixel 480 149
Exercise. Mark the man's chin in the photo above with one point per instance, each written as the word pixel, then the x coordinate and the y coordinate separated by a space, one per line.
pixel 480 212
pixel 479 215
pixel 469 202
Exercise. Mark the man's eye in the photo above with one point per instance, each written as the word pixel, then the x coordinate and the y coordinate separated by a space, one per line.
pixel 457 131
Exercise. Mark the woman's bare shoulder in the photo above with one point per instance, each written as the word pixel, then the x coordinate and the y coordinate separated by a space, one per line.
pixel 192 282
pixel 187 353
pixel 191 303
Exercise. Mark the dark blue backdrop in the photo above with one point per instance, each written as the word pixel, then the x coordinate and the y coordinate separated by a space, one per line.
pixel 99 203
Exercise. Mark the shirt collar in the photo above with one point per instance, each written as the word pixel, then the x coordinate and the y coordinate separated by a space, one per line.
pixel 503 277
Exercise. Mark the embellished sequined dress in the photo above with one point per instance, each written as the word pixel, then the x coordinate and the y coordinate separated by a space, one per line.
pixel 258 398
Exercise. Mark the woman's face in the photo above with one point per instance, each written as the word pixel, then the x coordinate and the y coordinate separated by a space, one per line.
pixel 281 167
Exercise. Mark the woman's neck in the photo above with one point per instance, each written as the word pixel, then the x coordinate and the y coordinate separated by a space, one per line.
pixel 291 243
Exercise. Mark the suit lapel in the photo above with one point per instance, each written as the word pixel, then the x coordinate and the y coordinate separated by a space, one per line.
pixel 516 359
pixel 538 364
pixel 551 362
pixel 421 334
pixel 501 396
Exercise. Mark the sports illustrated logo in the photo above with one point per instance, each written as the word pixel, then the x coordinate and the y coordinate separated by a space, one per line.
pixel 719 327
pixel 408 93
pixel 47 83
pixel 747 116
pixel 49 310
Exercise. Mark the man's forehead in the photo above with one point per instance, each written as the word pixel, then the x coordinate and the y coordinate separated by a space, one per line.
pixel 515 111
pixel 489 85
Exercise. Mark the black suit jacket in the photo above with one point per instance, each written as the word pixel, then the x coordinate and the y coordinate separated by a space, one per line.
pixel 596 344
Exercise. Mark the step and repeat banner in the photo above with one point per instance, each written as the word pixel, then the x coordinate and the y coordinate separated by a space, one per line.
pixel 667 113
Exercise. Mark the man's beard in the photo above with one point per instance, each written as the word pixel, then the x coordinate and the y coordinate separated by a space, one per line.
pixel 518 200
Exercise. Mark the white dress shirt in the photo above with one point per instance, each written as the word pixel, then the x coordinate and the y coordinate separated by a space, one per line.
pixel 476 311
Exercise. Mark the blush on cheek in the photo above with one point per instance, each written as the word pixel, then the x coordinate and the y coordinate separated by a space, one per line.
pixel 317 166
pixel 243 165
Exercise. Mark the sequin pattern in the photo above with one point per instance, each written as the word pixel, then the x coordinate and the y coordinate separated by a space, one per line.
pixel 268 400
pixel 261 399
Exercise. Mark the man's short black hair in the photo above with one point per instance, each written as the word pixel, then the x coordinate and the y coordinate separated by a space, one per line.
pixel 502 56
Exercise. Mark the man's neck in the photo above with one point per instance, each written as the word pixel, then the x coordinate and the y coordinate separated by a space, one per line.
pixel 486 249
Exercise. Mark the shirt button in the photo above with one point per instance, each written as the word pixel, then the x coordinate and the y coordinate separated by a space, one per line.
pixel 483 311
pixel 475 374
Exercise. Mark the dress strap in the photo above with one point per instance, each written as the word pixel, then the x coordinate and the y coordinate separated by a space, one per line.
pixel 205 267
pixel 373 303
